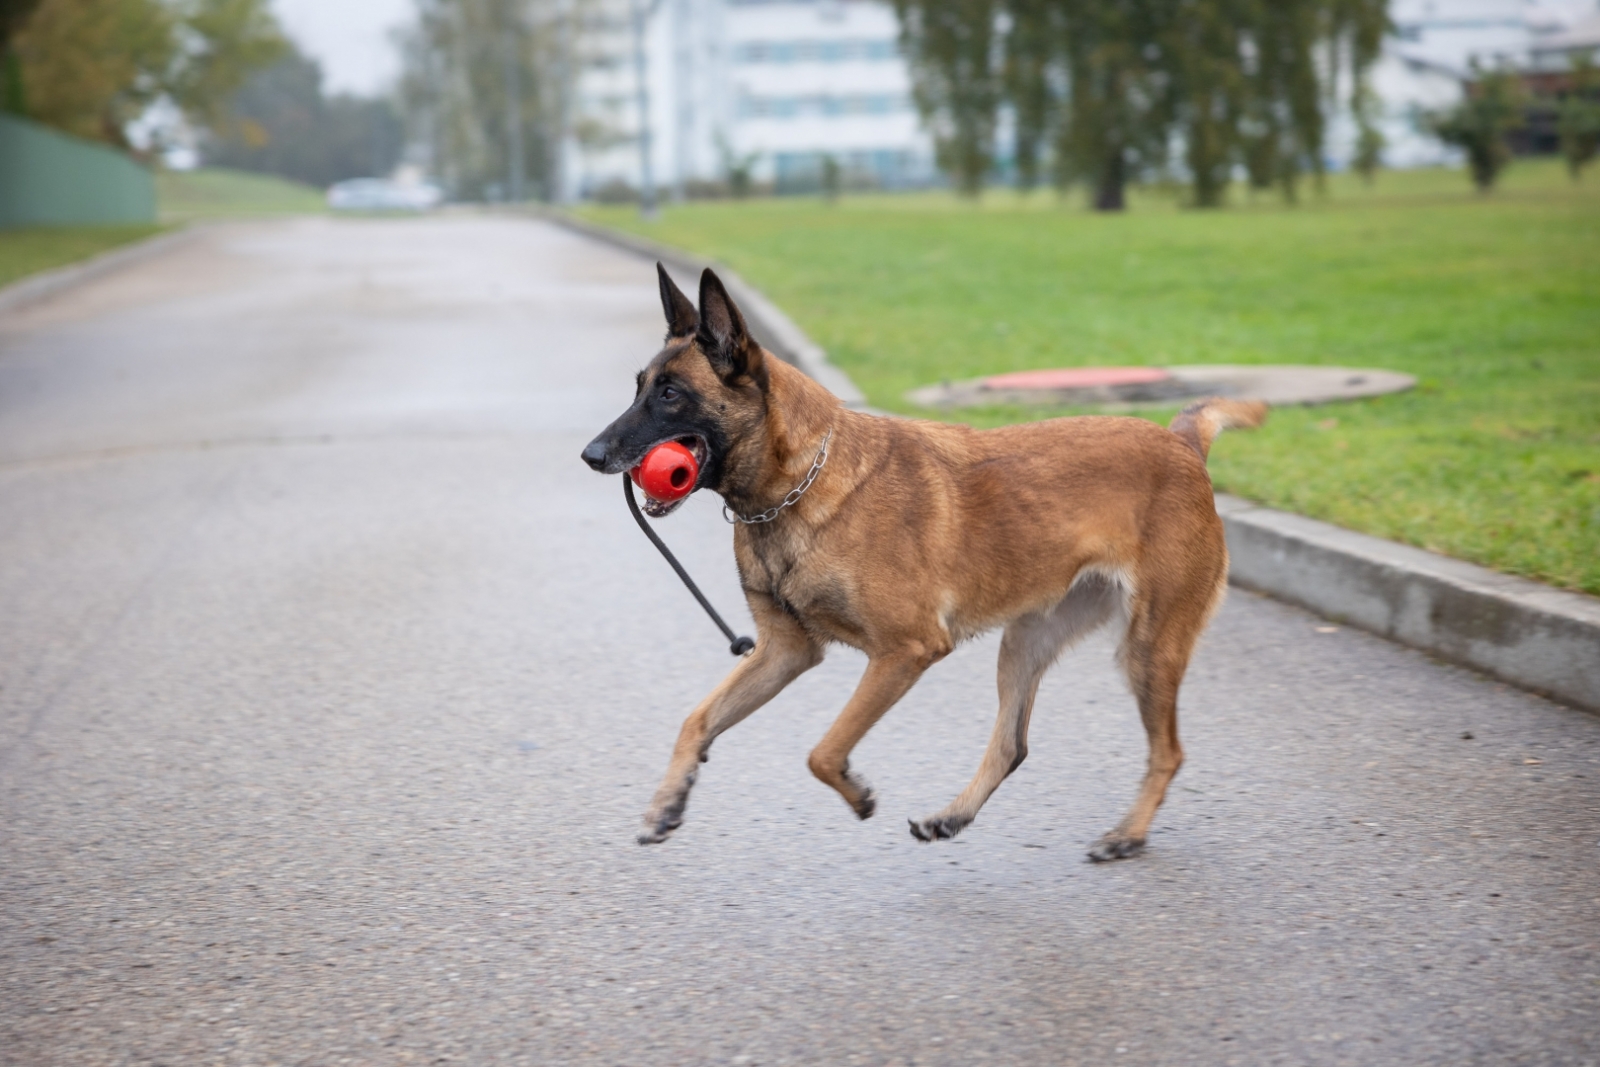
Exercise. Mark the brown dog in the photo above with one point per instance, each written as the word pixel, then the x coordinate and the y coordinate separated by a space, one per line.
pixel 903 538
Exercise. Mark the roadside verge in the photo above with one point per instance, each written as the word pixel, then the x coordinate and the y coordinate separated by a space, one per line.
pixel 1525 633
pixel 47 283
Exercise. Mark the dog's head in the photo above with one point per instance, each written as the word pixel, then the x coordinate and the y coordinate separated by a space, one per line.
pixel 706 389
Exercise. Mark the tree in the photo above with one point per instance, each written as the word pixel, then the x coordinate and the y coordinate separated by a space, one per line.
pixel 1578 120
pixel 1028 76
pixel 1106 86
pixel 282 123
pixel 832 178
pixel 482 76
pixel 13 15
pixel 1479 124
pixel 90 67
pixel 1369 141
pixel 1250 86
pixel 954 49
pixel 1204 49
pixel 737 168
pixel 1281 134
pixel 219 44
pixel 1117 108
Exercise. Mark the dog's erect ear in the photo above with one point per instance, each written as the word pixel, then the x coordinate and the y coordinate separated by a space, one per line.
pixel 722 336
pixel 681 318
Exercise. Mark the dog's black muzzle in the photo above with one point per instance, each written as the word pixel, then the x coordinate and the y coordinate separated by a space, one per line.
pixel 595 454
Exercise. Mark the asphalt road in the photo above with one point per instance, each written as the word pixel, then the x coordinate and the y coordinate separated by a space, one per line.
pixel 332 684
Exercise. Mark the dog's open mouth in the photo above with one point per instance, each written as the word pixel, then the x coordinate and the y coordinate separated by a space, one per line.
pixel 659 509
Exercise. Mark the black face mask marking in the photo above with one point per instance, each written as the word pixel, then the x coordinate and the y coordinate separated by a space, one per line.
pixel 665 408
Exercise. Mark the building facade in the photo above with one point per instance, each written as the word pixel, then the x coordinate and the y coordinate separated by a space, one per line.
pixel 1432 52
pixel 770 90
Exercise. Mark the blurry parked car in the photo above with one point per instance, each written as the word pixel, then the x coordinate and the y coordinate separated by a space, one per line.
pixel 383 194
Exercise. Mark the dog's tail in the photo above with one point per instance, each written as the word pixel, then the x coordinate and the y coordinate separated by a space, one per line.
pixel 1200 422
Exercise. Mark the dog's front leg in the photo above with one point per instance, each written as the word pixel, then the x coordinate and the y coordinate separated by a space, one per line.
pixel 783 652
pixel 888 677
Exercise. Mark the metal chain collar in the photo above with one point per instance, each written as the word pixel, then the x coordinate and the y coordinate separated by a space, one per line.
pixel 794 494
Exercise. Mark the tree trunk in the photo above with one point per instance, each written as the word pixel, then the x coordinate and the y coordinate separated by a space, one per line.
pixel 1108 187
pixel 1207 161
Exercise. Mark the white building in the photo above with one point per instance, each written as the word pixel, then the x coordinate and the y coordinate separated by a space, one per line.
pixel 1432 52
pixel 770 86
pixel 774 86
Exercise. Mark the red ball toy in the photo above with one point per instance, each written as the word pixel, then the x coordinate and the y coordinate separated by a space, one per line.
pixel 667 472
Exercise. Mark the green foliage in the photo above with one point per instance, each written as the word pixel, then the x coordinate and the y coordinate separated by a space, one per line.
pixel 1578 119
pixel 956 80
pixel 219 44
pixel 1105 86
pixel 25 252
pixel 1119 105
pixel 89 67
pixel 1369 142
pixel 13 97
pixel 281 123
pixel 1495 457
pixel 737 168
pixel 474 71
pixel 1479 124
pixel 832 177
pixel 13 13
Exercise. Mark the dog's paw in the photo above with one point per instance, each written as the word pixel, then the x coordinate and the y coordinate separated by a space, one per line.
pixel 659 826
pixel 938 828
pixel 1115 847
pixel 865 804
pixel 866 801
pixel 657 832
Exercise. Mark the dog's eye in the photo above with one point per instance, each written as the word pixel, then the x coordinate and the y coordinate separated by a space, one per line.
pixel 669 393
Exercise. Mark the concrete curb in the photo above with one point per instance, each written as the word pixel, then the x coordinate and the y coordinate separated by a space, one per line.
pixel 45 284
pixel 1525 633
pixel 770 326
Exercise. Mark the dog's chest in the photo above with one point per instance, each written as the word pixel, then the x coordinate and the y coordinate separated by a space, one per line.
pixel 804 583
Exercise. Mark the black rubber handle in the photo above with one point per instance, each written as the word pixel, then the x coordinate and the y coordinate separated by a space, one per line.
pixel 740 645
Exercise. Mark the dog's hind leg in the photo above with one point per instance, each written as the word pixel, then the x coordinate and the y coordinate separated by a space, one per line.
pixel 1155 655
pixel 888 677
pixel 783 652
pixel 1028 648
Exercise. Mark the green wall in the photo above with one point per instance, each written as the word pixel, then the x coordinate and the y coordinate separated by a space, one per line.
pixel 50 179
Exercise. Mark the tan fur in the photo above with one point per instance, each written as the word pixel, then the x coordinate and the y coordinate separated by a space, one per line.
pixel 1200 422
pixel 918 535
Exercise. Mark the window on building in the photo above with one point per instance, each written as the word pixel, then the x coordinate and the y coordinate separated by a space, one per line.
pixel 809 51
pixel 826 105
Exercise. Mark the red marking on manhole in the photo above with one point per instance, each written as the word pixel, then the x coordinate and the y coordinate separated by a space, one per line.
pixel 1076 378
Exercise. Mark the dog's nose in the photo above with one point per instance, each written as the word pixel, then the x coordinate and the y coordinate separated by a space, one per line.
pixel 594 454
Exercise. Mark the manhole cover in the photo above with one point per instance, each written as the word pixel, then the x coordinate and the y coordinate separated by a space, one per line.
pixel 1077 378
pixel 1120 388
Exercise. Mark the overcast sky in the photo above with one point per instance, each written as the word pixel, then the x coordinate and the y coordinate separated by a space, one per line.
pixel 349 37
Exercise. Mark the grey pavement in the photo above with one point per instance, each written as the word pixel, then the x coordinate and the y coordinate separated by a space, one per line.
pixel 332 684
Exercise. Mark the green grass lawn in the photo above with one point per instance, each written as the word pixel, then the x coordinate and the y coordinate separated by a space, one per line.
pixel 29 251
pixel 214 192
pixel 1492 302
pixel 183 196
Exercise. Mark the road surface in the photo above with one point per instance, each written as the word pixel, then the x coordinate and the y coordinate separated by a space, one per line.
pixel 332 684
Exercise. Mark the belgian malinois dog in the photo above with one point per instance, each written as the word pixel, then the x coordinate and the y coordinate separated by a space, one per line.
pixel 903 538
